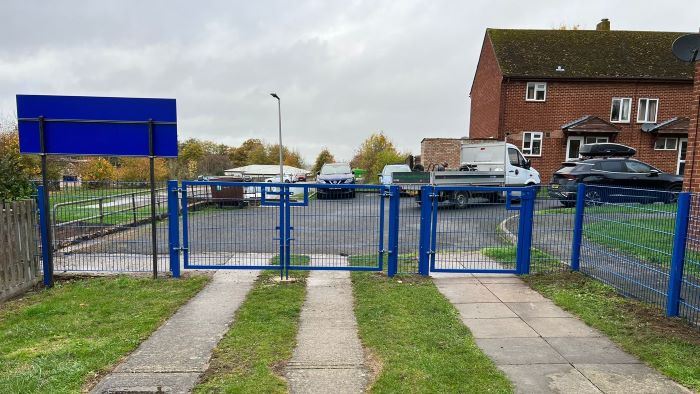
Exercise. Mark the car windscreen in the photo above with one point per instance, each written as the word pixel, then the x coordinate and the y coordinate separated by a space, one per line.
pixel 388 170
pixel 333 169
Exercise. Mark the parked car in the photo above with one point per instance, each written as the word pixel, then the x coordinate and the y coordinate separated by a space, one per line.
pixel 335 174
pixel 386 177
pixel 611 165
pixel 276 179
pixel 299 178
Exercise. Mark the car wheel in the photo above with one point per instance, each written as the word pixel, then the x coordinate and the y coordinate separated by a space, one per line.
pixel 672 194
pixel 462 199
pixel 593 198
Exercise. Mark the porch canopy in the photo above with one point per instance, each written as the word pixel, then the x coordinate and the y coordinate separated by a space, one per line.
pixel 675 126
pixel 590 124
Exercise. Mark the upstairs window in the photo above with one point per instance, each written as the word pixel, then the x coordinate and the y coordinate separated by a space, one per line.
pixel 620 110
pixel 532 143
pixel 646 110
pixel 665 144
pixel 536 91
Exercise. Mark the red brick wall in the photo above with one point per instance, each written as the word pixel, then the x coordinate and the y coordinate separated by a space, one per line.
pixel 570 100
pixel 486 95
pixel 438 150
pixel 692 168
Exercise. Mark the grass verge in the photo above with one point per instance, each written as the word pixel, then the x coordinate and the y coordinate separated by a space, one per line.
pixel 371 260
pixel 539 260
pixel 669 345
pixel 61 339
pixel 251 355
pixel 419 339
pixel 295 259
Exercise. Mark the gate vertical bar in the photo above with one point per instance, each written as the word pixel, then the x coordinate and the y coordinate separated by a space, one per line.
pixel 174 228
pixel 425 221
pixel 185 227
pixel 282 231
pixel 383 192
pixel 47 253
pixel 45 241
pixel 394 209
pixel 680 234
pixel 287 229
pixel 578 227
pixel 527 208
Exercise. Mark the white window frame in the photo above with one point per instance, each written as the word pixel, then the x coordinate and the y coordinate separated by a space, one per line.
pixel 629 113
pixel 534 98
pixel 666 139
pixel 534 135
pixel 582 141
pixel 646 112
pixel 681 141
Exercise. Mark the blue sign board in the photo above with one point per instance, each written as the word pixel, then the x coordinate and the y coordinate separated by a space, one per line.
pixel 105 126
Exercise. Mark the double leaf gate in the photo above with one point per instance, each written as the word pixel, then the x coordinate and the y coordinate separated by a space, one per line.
pixel 283 226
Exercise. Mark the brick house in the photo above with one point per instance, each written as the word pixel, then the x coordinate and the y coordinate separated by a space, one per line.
pixel 549 91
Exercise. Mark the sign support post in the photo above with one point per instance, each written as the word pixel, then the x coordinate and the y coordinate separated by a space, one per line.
pixel 48 266
pixel 154 232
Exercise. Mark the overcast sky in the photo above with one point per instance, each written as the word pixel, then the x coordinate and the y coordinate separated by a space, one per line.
pixel 343 69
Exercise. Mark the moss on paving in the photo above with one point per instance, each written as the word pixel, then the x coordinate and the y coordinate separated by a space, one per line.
pixel 418 338
pixel 251 356
pixel 670 345
pixel 63 338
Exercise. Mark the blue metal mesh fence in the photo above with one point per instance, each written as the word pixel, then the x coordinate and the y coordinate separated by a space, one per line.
pixel 690 281
pixel 409 230
pixel 552 233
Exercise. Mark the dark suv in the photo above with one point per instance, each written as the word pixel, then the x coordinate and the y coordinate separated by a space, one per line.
pixel 627 180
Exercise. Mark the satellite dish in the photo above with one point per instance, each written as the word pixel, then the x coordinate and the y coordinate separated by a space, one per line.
pixel 687 47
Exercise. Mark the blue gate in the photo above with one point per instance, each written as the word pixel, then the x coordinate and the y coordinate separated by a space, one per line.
pixel 471 229
pixel 243 225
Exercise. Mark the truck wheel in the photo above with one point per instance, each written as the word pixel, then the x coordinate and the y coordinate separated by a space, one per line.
pixel 462 199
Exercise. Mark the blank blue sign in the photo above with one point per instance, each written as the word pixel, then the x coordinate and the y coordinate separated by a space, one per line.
pixel 105 126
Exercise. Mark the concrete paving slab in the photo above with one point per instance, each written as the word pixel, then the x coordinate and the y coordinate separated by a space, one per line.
pixel 329 356
pixel 590 351
pixel 181 348
pixel 176 383
pixel 548 378
pixel 500 328
pixel 463 293
pixel 561 327
pixel 537 309
pixel 520 351
pixel 629 378
pixel 499 279
pixel 514 292
pixel 484 310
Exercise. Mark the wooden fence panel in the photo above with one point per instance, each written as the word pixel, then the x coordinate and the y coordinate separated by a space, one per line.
pixel 19 261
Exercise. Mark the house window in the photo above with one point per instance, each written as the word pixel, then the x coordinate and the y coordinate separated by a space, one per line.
pixel 620 110
pixel 596 140
pixel 536 91
pixel 532 143
pixel 646 110
pixel 665 144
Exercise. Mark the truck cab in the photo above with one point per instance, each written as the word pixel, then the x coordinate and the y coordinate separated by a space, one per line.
pixel 494 156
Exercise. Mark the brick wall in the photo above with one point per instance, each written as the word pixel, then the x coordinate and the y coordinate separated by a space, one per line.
pixel 570 100
pixel 437 150
pixel 692 167
pixel 486 95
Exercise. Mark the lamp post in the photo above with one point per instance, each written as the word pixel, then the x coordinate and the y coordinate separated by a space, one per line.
pixel 279 117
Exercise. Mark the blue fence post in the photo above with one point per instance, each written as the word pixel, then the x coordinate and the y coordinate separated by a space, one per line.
pixel 527 209
pixel 44 227
pixel 680 233
pixel 425 222
pixel 578 227
pixel 394 201
pixel 174 228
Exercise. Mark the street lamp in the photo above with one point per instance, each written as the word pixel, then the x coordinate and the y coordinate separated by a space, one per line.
pixel 279 116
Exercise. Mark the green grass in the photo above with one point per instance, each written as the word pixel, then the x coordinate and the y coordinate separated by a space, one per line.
pixel 58 340
pixel 632 208
pixel 669 345
pixel 260 341
pixel 539 260
pixel 419 339
pixel 405 261
pixel 295 259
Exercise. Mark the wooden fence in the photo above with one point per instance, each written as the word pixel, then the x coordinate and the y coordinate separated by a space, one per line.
pixel 19 263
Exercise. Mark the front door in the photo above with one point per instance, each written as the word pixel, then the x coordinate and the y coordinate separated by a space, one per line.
pixel 573 144
pixel 682 147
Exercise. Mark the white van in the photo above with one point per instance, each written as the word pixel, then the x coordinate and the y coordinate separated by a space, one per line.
pixel 387 175
pixel 492 156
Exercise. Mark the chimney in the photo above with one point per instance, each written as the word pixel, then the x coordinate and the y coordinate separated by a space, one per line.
pixel 603 25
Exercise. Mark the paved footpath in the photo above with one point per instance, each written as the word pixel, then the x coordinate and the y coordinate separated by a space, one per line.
pixel 329 356
pixel 178 352
pixel 540 347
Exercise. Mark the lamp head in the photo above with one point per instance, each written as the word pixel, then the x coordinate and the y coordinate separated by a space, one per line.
pixel 275 95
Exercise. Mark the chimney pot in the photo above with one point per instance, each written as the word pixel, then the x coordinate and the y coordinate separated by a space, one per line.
pixel 603 25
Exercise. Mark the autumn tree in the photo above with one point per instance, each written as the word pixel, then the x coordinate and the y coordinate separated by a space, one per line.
pixel 323 157
pixel 251 151
pixel 137 169
pixel 15 171
pixel 97 170
pixel 374 153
